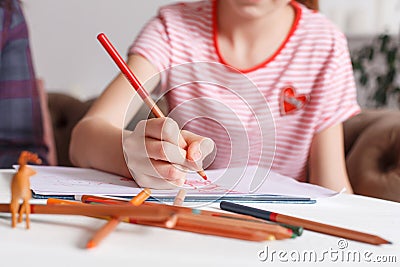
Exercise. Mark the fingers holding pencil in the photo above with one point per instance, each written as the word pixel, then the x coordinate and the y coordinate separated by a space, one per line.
pixel 149 157
pixel 198 148
pixel 161 160
pixel 130 76
pixel 178 147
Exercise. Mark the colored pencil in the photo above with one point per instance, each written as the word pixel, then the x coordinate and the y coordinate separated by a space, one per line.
pixel 211 217
pixel 196 224
pixel 89 199
pixel 211 229
pixel 306 224
pixel 108 227
pixel 142 212
pixel 180 197
pixel 297 231
pixel 108 46
pixel 58 201
pixel 105 200
pixel 169 223
pixel 194 219
pixel 141 197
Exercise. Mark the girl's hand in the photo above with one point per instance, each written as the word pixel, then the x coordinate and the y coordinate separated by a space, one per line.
pixel 159 154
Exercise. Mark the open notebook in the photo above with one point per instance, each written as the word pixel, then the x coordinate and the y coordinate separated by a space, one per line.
pixel 248 184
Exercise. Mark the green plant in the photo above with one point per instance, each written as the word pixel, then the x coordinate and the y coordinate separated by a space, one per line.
pixel 376 67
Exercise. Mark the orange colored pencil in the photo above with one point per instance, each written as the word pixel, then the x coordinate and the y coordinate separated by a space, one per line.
pixel 177 210
pixel 142 212
pixel 141 197
pixel 113 223
pixel 194 219
pixel 108 46
pixel 102 200
pixel 112 201
pixel 180 197
pixel 243 234
pixel 332 230
pixel 57 201
pixel 183 223
pixel 169 223
pixel 212 217
pixel 306 224
pixel 88 199
pixel 212 229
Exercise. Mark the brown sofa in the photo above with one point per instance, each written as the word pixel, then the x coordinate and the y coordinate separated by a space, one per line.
pixel 372 145
pixel 65 112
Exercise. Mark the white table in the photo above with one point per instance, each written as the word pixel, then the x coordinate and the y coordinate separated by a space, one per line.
pixel 57 240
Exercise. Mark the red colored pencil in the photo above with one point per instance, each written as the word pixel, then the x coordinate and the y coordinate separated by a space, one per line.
pixel 134 81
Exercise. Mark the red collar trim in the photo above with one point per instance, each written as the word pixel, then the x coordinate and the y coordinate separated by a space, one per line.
pixel 298 12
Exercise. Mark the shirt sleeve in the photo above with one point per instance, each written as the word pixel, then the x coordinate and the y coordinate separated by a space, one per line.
pixel 338 99
pixel 22 126
pixel 153 43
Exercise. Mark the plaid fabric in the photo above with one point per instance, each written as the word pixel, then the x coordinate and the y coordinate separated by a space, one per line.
pixel 21 126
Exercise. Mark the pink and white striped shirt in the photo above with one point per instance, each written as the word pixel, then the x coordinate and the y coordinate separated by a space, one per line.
pixel 266 115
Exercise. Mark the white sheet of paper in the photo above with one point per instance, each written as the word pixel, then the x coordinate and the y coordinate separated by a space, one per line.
pixel 80 181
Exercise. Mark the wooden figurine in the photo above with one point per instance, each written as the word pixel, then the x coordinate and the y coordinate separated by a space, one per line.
pixel 21 189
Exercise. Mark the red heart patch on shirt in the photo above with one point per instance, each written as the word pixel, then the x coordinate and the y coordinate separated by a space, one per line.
pixel 291 101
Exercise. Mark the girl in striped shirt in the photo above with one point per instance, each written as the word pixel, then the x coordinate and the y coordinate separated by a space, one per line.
pixel 251 82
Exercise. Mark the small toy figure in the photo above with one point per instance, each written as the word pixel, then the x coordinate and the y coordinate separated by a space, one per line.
pixel 20 187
